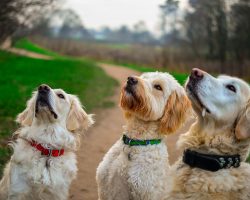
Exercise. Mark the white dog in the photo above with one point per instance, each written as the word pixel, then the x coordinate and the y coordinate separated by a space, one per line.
pixel 44 162
pixel 217 145
pixel 135 168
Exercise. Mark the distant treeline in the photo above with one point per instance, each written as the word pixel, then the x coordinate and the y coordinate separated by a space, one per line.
pixel 210 33
pixel 136 54
pixel 213 34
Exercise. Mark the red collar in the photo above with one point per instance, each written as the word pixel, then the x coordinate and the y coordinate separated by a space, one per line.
pixel 46 151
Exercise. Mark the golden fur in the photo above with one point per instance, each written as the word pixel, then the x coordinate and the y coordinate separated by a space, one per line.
pixel 139 103
pixel 211 135
pixel 139 172
pixel 175 113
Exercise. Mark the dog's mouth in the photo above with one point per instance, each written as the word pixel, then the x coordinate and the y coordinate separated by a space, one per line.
pixel 43 103
pixel 194 97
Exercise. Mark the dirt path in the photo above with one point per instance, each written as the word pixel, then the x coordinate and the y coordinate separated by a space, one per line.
pixel 27 53
pixel 107 129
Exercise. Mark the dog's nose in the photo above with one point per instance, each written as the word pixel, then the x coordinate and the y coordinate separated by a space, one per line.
pixel 132 80
pixel 43 89
pixel 197 74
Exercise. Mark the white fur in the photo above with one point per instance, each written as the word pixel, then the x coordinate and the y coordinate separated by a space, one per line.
pixel 32 176
pixel 223 104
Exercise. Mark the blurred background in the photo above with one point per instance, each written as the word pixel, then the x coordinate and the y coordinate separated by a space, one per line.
pixel 61 42
pixel 175 35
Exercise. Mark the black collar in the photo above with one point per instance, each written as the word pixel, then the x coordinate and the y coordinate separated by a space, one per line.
pixel 210 162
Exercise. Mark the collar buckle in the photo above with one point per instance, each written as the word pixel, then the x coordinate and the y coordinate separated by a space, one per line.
pixel 50 152
pixel 134 142
pixel 46 150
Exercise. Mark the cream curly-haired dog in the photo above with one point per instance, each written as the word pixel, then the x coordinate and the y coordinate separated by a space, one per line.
pixel 135 167
pixel 44 162
pixel 217 145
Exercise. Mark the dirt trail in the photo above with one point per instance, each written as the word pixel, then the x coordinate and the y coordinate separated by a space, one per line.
pixel 27 53
pixel 107 129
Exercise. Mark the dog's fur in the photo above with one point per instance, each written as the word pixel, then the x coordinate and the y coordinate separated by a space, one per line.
pixel 32 176
pixel 139 172
pixel 224 130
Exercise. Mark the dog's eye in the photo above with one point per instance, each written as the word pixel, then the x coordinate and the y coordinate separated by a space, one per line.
pixel 158 87
pixel 61 96
pixel 231 87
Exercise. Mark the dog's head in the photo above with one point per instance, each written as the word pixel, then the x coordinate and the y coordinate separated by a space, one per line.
pixel 155 96
pixel 217 99
pixel 49 106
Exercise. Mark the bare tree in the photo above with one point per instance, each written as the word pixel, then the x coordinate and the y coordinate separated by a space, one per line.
pixel 207 30
pixel 240 39
pixel 168 12
pixel 16 14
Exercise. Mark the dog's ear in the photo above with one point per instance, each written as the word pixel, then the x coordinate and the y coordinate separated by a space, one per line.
pixel 25 118
pixel 242 130
pixel 78 119
pixel 176 110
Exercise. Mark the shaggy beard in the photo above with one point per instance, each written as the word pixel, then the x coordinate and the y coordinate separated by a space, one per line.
pixel 135 103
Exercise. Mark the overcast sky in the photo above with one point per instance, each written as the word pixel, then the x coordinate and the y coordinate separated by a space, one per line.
pixel 114 13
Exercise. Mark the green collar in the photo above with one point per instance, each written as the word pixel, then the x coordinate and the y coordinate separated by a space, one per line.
pixel 131 142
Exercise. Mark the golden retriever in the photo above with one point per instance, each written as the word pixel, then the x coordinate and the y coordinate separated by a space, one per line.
pixel 43 163
pixel 134 168
pixel 218 142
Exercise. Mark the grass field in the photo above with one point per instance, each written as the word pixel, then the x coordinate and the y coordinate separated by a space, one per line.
pixel 28 45
pixel 21 75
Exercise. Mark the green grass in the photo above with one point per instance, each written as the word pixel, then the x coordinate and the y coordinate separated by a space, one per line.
pixel 119 46
pixel 28 45
pixel 21 75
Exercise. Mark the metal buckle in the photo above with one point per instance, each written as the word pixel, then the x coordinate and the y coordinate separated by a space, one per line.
pixel 50 152
pixel 222 162
pixel 237 162
pixel 230 162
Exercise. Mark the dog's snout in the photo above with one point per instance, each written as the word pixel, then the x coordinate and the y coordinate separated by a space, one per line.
pixel 197 74
pixel 43 88
pixel 132 80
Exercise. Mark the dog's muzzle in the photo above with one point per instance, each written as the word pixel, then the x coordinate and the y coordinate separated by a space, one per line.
pixel 43 99
pixel 195 77
pixel 43 95
pixel 131 83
